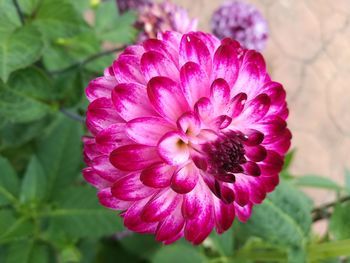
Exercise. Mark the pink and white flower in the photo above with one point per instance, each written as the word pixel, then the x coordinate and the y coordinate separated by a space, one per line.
pixel 188 132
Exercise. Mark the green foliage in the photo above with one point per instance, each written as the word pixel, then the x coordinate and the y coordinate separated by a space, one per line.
pixel 48 54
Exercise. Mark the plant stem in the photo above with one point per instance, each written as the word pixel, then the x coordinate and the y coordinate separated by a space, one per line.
pixel 88 60
pixel 19 11
pixel 72 115
pixel 321 211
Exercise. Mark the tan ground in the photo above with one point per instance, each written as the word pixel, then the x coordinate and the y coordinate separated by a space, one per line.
pixel 309 52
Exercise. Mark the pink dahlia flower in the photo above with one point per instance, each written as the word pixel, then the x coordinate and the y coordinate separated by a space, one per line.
pixel 188 132
pixel 242 22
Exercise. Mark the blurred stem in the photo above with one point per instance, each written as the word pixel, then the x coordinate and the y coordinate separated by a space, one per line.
pixel 329 249
pixel 72 115
pixel 19 11
pixel 321 211
pixel 88 60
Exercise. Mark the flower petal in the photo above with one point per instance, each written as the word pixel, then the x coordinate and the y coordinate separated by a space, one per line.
pixel 167 98
pixel 243 212
pixel 107 199
pixel 225 64
pixel 131 101
pixel 155 64
pixel 173 148
pixel 127 69
pixel 134 157
pixel 130 188
pixel 100 87
pixel 171 226
pixel 185 179
pixel 105 169
pixel 157 176
pixel 112 137
pixel 194 82
pixel 160 206
pixel 220 95
pixel 91 176
pixel 189 124
pixel 224 215
pixel 147 130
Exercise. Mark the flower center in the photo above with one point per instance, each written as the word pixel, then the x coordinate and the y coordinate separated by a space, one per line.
pixel 225 156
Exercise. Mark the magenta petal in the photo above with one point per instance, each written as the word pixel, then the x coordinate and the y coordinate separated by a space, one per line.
pixel 253 137
pixel 251 168
pixel 221 122
pixel 194 82
pixel 224 215
pixel 163 48
pixel 132 219
pixel 171 226
pixel 107 199
pixel 257 108
pixel 204 108
pixel 101 114
pixel 166 98
pixel 134 157
pixel 105 169
pixel 91 176
pixel 189 123
pixel 220 93
pixel 154 64
pixel 272 164
pixel 112 137
pixel 225 64
pixel 130 188
pixel 185 179
pixel 127 69
pixel 257 191
pixel 241 192
pixel 243 212
pixel 248 80
pixel 100 87
pixel 193 49
pixel 160 206
pixel 237 104
pixel 147 130
pixel 157 176
pixel 255 153
pixel 131 96
pixel 173 148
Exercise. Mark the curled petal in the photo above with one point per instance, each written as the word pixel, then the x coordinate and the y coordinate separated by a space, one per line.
pixel 189 123
pixel 107 199
pixel 173 148
pixel 100 87
pixel 127 69
pixel 225 64
pixel 243 212
pixel 171 226
pixel 220 94
pixel 236 105
pixel 157 176
pixel 112 137
pixel 224 215
pixel 185 179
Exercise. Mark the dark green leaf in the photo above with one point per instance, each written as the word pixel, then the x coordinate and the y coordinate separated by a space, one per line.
pixel 60 153
pixel 316 181
pixel 19 49
pixel 34 185
pixel 339 224
pixel 9 19
pixel 18 229
pixel 79 214
pixel 133 242
pixel 17 106
pixel 178 253
pixel 28 7
pixel 19 251
pixel 40 253
pixel 9 183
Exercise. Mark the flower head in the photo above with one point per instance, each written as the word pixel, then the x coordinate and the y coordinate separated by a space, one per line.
pixel 188 132
pixel 242 22
pixel 159 17
pixel 126 5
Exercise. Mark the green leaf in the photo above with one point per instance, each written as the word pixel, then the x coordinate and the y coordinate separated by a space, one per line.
pixel 283 219
pixel 339 224
pixel 32 82
pixel 9 19
pixel 79 214
pixel 110 26
pixel 19 229
pixel 28 7
pixel 34 185
pixel 316 181
pixel 9 183
pixel 58 19
pixel 59 152
pixel 19 251
pixel 19 49
pixel 17 106
pixel 223 243
pixel 347 179
pixel 40 253
pixel 289 159
pixel 178 253
pixel 133 242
